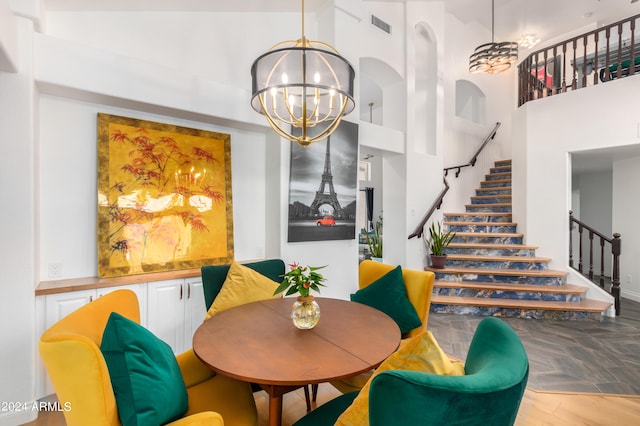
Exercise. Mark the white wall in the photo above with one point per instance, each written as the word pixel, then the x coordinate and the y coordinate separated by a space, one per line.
pixel 18 216
pixel 626 175
pixel 545 132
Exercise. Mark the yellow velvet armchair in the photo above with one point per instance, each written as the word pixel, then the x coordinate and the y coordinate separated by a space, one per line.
pixel 70 350
pixel 419 286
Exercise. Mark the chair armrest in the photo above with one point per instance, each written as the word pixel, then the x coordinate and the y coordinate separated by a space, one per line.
pixel 468 400
pixel 206 418
pixel 193 371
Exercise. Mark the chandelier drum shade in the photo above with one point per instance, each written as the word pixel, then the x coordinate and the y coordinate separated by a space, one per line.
pixel 303 89
pixel 493 58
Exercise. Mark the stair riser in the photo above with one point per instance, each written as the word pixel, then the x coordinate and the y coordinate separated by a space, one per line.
pixel 491 200
pixel 491 252
pixel 493 191
pixel 496 176
pixel 501 163
pixel 512 295
pixel 478 218
pixel 488 209
pixel 487 240
pixel 495 184
pixel 497 170
pixel 510 229
pixel 502 279
pixel 516 313
pixel 489 264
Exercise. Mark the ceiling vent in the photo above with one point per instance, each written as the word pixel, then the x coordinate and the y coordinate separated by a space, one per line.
pixel 379 23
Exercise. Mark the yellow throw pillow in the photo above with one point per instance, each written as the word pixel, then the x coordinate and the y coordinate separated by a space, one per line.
pixel 242 285
pixel 419 353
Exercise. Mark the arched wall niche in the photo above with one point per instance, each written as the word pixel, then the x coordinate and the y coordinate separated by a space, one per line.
pixel 382 95
pixel 470 102
pixel 426 81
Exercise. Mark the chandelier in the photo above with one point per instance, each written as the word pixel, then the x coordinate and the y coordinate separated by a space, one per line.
pixel 493 57
pixel 303 88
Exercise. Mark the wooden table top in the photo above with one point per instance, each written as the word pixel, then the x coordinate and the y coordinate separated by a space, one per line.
pixel 258 342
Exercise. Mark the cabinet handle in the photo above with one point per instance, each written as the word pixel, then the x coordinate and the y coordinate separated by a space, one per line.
pixel 180 291
pixel 90 298
pixel 188 290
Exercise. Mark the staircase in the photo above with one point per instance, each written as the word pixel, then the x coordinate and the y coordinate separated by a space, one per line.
pixel 490 271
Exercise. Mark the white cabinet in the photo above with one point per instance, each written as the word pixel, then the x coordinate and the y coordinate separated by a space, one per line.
pixel 53 307
pixel 175 310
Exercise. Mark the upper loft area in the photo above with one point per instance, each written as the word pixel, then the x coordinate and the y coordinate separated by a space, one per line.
pixel 605 54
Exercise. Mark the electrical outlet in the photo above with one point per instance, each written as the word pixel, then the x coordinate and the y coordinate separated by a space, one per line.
pixel 55 270
pixel 629 279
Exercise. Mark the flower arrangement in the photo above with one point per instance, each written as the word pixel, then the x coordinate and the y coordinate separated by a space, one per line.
pixel 301 279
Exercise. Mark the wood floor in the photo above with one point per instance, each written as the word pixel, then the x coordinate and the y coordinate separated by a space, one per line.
pixel 538 408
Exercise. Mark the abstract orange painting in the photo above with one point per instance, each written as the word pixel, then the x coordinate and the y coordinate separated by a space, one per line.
pixel 164 197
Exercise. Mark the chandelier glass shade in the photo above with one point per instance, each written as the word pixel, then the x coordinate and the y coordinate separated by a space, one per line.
pixel 493 58
pixel 303 88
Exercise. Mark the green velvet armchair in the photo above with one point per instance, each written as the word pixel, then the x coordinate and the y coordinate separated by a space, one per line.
pixel 496 373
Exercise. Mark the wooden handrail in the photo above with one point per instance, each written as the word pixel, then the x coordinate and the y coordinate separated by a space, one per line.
pixel 616 244
pixel 473 160
pixel 438 201
pixel 436 205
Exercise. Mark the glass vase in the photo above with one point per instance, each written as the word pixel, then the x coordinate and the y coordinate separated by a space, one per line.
pixel 305 313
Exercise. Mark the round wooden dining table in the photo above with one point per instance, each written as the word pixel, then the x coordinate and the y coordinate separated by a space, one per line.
pixel 258 343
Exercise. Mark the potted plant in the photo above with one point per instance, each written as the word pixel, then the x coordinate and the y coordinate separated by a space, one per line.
pixel 305 312
pixel 374 241
pixel 437 243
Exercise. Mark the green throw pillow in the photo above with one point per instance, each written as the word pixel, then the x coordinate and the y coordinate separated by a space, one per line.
pixel 145 375
pixel 389 295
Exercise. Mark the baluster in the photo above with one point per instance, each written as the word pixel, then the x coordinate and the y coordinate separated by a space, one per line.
pixel 602 241
pixel 632 67
pixel 544 77
pixel 535 79
pixel 584 61
pixel 595 58
pixel 574 77
pixel 619 70
pixel 564 67
pixel 571 238
pixel 580 228
pixel 616 250
pixel 607 75
pixel 591 255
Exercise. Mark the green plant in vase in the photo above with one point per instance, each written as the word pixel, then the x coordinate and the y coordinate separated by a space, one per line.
pixel 437 242
pixel 375 241
pixel 305 312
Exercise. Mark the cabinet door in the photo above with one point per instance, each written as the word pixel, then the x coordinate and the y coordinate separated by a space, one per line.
pixel 194 309
pixel 56 306
pixel 165 311
pixel 139 289
pixel 61 304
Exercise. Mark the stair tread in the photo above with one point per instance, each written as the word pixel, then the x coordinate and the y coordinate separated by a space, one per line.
pixel 448 222
pixel 501 271
pixel 501 188
pixel 584 305
pixel 480 258
pixel 490 205
pixel 540 288
pixel 492 246
pixel 489 234
pixel 478 214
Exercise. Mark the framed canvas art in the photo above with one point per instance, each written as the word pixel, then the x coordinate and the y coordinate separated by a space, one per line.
pixel 164 197
pixel 322 187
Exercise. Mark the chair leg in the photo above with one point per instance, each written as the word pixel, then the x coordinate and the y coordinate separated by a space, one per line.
pixel 314 390
pixel 306 397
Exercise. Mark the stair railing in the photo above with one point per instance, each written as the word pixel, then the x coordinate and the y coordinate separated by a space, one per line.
pixel 607 53
pixel 437 203
pixel 615 242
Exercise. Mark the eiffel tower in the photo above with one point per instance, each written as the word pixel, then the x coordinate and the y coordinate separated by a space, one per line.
pixel 327 179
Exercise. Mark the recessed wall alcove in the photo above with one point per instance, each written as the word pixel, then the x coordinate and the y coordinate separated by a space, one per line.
pixel 470 102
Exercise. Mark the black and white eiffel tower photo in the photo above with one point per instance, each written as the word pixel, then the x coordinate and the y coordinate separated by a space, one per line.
pixel 322 187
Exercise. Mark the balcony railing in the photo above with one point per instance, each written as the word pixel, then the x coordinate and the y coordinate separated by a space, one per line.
pixel 599 56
